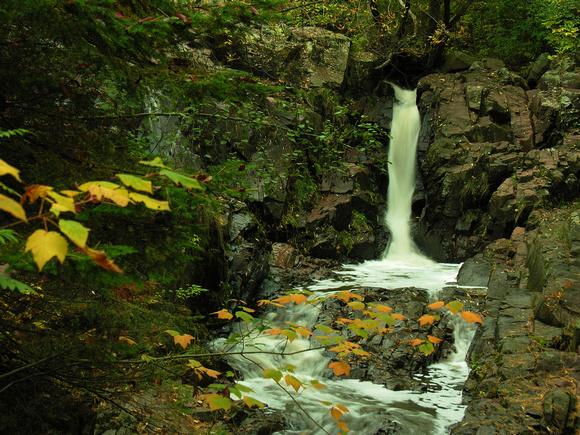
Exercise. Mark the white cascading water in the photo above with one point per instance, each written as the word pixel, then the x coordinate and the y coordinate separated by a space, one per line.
pixel 371 406
pixel 402 155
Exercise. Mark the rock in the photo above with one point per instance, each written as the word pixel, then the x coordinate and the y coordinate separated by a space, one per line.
pixel 283 255
pixel 495 105
pixel 558 404
pixel 475 271
pixel 539 67
pixel 457 61
pixel 248 268
pixel 571 80
pixel 325 244
pixel 242 223
pixel 494 64
pixel 334 210
pixel 324 55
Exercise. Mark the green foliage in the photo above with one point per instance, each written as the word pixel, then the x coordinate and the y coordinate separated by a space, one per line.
pixel 190 291
pixel 562 20
pixel 510 30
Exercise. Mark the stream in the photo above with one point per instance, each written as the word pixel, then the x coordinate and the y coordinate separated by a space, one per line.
pixel 371 407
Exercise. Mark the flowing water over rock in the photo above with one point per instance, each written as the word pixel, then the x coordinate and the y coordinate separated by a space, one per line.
pixel 371 407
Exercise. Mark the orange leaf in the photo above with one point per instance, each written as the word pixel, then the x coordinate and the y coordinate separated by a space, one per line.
pixel 291 381
pixel 224 314
pixel 416 342
pixel 383 309
pixel 471 317
pixel 426 319
pixel 434 340
pixel 336 413
pixel 346 295
pixel 343 320
pixel 100 257
pixel 298 298
pixel 342 408
pixel 316 384
pixel 303 331
pixel 284 299
pixel 275 331
pixel 436 305
pixel 183 340
pixel 127 340
pixel 211 373
pixel 339 368
pixel 342 426
pixel 398 316
pixel 34 192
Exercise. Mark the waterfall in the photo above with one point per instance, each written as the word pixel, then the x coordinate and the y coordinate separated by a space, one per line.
pixel 371 407
pixel 402 155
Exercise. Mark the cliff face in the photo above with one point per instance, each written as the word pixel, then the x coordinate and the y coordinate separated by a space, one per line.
pixel 500 166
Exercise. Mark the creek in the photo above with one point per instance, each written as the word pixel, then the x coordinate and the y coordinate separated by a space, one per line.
pixel 371 407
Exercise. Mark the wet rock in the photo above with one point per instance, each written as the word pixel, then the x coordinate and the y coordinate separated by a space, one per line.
pixel 284 255
pixel 475 271
pixel 248 268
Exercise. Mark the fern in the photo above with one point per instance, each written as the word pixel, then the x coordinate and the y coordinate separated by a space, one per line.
pixel 12 284
pixel 16 132
pixel 7 235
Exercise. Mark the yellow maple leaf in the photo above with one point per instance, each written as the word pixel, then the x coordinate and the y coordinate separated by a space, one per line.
pixel 250 401
pixel 150 203
pixel 46 244
pixel 183 340
pixel 5 168
pixel 75 231
pixel 298 298
pixel 107 190
pixel 136 183
pixel 13 207
pixel 66 203
pixel 293 382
